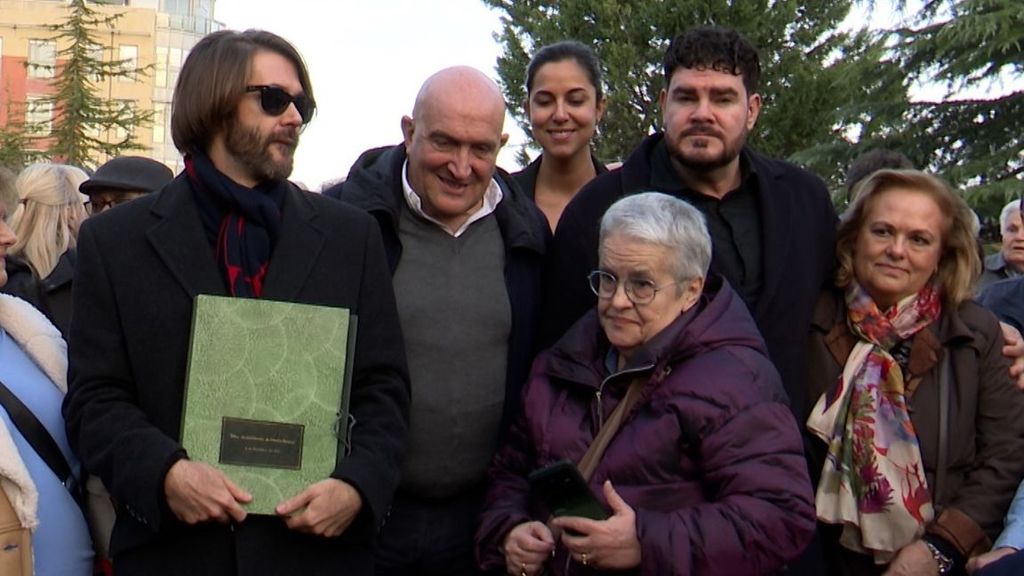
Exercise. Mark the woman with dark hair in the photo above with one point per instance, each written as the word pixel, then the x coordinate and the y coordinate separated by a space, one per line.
pixel 565 103
pixel 918 428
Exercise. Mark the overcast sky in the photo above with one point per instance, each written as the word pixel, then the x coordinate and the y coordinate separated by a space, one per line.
pixel 367 60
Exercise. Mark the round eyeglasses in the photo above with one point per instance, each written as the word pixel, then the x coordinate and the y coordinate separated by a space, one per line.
pixel 640 292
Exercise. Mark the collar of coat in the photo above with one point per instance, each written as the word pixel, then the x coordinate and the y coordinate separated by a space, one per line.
pixel 719 319
pixel 375 185
pixel 42 342
pixel 925 348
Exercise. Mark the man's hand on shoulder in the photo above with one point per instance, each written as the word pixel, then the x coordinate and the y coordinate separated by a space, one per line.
pixel 330 507
pixel 198 492
pixel 1013 349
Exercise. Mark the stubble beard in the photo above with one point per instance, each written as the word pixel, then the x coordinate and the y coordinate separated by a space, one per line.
pixel 252 151
pixel 701 164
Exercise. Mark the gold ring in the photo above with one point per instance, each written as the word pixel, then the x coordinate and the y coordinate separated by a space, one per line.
pixel 583 558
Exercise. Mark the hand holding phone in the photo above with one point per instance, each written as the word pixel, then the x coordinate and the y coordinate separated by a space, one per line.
pixel 564 491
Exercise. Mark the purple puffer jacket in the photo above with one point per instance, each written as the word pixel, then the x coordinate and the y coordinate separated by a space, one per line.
pixel 710 458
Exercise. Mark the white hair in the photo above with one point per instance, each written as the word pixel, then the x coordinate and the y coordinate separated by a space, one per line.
pixel 1004 216
pixel 663 220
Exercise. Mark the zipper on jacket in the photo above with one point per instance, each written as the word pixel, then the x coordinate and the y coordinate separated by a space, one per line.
pixel 600 390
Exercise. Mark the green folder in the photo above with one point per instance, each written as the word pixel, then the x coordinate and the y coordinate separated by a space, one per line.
pixel 266 397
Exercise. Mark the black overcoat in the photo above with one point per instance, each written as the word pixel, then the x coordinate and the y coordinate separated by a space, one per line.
pixel 140 267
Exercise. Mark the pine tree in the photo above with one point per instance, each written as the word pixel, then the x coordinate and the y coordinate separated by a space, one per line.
pixel 824 89
pixel 83 119
pixel 16 149
pixel 976 143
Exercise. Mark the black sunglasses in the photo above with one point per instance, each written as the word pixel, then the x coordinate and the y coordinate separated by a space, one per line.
pixel 275 100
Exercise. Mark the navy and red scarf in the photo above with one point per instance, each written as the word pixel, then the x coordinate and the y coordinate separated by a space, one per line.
pixel 242 223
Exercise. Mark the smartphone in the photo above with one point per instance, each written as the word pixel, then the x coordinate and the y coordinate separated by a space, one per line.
pixel 561 488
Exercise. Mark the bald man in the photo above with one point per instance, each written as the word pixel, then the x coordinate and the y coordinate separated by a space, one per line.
pixel 465 247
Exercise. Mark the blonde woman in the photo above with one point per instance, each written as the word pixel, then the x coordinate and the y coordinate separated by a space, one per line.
pixel 41 263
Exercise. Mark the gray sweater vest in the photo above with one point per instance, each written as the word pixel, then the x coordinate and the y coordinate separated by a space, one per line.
pixel 456 320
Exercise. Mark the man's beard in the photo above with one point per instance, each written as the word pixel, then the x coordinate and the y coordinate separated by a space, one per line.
pixel 252 151
pixel 730 150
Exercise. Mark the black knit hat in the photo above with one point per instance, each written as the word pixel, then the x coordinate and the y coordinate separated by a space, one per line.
pixel 128 173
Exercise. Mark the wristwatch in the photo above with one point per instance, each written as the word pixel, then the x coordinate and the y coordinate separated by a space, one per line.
pixel 945 563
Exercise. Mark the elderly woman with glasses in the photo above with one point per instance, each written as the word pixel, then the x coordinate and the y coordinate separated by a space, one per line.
pixel 918 431
pixel 706 474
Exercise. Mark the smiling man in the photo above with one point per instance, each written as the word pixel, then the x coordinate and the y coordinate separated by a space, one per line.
pixel 231 225
pixel 771 223
pixel 466 248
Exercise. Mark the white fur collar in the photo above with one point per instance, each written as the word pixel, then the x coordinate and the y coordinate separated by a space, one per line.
pixel 37 337
pixel 43 344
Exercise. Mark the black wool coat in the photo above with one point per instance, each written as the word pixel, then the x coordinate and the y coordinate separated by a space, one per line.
pixel 50 295
pixel 139 269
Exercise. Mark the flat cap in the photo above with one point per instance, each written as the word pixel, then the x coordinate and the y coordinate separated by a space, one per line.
pixel 128 173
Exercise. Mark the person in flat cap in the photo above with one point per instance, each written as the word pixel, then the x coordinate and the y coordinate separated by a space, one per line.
pixel 122 179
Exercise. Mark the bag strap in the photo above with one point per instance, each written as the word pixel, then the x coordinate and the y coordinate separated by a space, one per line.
pixel 589 461
pixel 945 377
pixel 36 435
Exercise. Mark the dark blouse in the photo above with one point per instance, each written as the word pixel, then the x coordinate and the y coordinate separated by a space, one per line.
pixel 527 177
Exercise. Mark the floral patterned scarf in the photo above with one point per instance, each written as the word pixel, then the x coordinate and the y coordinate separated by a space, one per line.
pixel 873 481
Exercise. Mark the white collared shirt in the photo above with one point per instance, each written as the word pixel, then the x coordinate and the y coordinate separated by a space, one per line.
pixel 492 196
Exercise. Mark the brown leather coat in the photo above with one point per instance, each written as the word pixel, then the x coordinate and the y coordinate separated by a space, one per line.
pixel 985 456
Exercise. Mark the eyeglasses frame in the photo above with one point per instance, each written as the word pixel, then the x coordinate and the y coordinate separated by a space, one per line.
pixel 628 291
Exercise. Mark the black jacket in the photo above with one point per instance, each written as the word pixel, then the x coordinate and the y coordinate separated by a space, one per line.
pixel 51 295
pixel 375 185
pixel 527 177
pixel 798 228
pixel 140 267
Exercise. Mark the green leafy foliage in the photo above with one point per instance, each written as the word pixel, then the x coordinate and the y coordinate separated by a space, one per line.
pixel 16 149
pixel 976 143
pixel 829 94
pixel 820 85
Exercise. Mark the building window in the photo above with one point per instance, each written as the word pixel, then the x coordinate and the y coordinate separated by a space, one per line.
pixel 128 54
pixel 176 7
pixel 127 108
pixel 160 68
pixel 42 58
pixel 38 115
pixel 175 57
pixel 96 54
pixel 159 119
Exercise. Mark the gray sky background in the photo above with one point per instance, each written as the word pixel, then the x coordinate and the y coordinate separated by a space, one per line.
pixel 367 60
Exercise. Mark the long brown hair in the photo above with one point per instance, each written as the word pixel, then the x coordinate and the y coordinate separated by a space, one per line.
pixel 213 80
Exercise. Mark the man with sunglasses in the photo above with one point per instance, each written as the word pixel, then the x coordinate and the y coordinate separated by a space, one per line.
pixel 231 224
pixel 465 247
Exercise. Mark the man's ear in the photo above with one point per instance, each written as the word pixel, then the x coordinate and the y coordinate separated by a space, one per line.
pixel 408 127
pixel 753 110
pixel 504 139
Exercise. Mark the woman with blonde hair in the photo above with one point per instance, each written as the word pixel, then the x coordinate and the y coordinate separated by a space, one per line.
pixel 41 263
pixel 918 428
